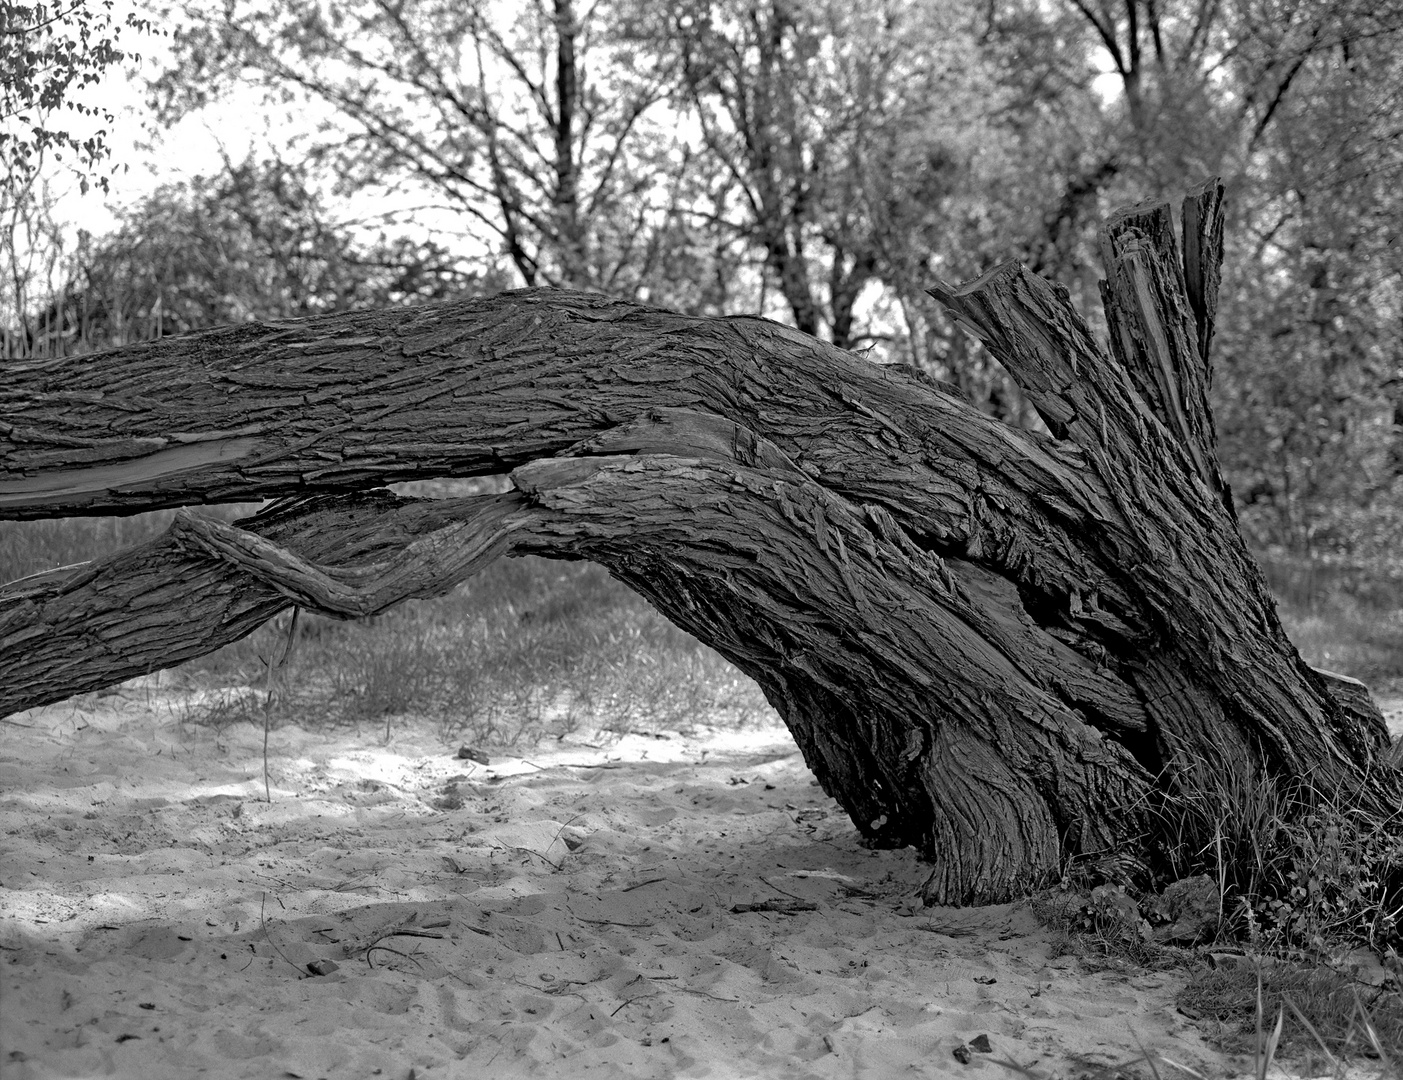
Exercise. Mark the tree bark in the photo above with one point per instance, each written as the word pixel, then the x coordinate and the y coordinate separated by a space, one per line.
pixel 994 645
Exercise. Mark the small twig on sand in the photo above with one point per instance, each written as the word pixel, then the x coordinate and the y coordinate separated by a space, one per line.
pixel 397 952
pixel 263 924
pixel 272 667
pixel 564 825
pixel 640 884
pixel 529 851
pixel 777 889
pixel 780 907
pixel 401 931
pixel 630 1001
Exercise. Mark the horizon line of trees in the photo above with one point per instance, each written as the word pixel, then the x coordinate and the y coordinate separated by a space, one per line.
pixel 812 163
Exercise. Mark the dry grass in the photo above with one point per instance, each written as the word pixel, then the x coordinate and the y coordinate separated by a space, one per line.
pixel 528 649
pixel 1345 616
pixel 1323 1012
pixel 28 547
pixel 1291 1015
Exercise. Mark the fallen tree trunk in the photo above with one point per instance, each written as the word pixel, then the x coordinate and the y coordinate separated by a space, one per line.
pixel 994 645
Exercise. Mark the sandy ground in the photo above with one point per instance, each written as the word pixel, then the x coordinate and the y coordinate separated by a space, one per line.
pixel 651 906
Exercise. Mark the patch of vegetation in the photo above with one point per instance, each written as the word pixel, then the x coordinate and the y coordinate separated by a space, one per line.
pixel 1305 946
pixel 528 649
pixel 1298 870
pixel 1322 1011
pixel 1344 615
pixel 1307 880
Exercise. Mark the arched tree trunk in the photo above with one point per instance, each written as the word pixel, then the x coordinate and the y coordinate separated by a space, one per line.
pixel 990 644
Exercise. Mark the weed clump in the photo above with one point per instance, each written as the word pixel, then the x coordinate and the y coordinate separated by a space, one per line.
pixel 1299 871
pixel 1285 904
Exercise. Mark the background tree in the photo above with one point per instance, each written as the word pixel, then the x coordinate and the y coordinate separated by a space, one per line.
pixel 802 160
pixel 255 241
pixel 1312 356
pixel 859 143
pixel 528 123
pixel 1295 107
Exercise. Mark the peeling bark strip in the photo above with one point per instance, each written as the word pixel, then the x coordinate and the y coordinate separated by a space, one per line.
pixel 988 644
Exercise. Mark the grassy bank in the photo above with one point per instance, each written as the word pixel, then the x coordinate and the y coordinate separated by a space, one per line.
pixel 527 649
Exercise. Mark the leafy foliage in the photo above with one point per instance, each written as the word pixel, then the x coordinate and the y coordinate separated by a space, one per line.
pixel 1311 363
pixel 255 241
pixel 47 52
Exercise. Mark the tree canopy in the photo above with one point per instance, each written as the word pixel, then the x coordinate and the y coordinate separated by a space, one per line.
pixel 49 53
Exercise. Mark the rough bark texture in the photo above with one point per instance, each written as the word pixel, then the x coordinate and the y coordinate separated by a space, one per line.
pixel 988 643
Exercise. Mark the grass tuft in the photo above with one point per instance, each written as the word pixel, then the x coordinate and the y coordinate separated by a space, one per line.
pixel 1298 870
pixel 1319 1010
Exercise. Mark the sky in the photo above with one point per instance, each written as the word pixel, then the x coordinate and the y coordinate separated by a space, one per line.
pixel 151 157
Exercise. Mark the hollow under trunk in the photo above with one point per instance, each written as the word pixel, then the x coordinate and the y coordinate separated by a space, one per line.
pixel 991 644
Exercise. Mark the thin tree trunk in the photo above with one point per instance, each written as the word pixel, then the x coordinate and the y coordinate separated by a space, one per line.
pixel 989 644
